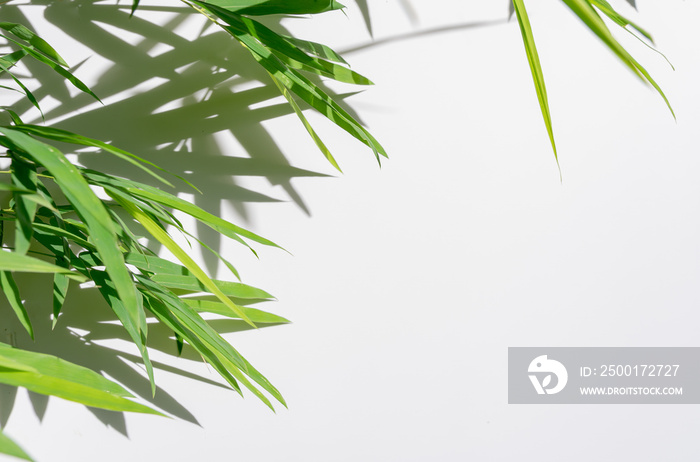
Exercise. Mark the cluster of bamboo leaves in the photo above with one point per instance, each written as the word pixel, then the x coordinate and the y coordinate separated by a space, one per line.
pixel 61 225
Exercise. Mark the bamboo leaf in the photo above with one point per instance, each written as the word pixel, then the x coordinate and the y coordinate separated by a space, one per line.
pixel 255 315
pixel 191 284
pixel 535 68
pixel 107 288
pixel 66 380
pixel 11 292
pixel 316 49
pixel 297 110
pixel 22 32
pixel 9 447
pixel 68 137
pixel 60 290
pixel 56 67
pixel 11 261
pixel 265 7
pixel 29 94
pixel 23 176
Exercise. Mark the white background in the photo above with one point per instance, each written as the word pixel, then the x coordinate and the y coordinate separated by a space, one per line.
pixel 408 283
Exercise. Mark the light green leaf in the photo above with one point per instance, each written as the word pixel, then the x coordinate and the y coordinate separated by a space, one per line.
pixel 57 377
pixel 595 23
pixel 255 315
pixel 11 261
pixel 144 191
pixel 192 284
pixel 535 68
pixel 9 447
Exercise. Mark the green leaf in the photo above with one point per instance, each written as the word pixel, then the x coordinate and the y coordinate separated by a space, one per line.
pixel 154 194
pixel 34 40
pixel 11 261
pixel 9 447
pixel 191 284
pixel 264 7
pixel 255 315
pixel 535 68
pixel 23 176
pixel 13 58
pixel 60 290
pixel 595 23
pixel 29 94
pixel 107 288
pixel 297 110
pixel 11 292
pixel 13 188
pixel 56 67
pixel 57 377
pixel 316 49
pixel 68 137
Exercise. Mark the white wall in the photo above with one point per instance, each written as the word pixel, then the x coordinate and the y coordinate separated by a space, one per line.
pixel 408 283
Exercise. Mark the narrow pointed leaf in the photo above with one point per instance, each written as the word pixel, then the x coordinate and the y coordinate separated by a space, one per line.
pixel 22 32
pixel 9 447
pixel 11 292
pixel 57 68
pixel 11 261
pixel 316 49
pixel 297 110
pixel 68 137
pixel 535 68
pixel 255 315
pixel 60 290
pixel 265 7
pixel 23 176
pixel 69 381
